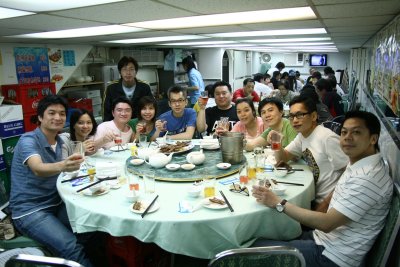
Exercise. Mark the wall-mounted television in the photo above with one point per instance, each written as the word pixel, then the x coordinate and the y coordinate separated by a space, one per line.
pixel 317 60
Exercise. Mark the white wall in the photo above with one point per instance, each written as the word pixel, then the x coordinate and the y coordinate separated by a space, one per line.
pixel 210 63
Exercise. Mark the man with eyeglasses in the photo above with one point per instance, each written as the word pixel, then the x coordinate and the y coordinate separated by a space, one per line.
pixel 180 122
pixel 207 119
pixel 319 147
pixel 128 86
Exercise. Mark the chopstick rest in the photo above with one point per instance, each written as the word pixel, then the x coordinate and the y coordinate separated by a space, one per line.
pixel 149 207
pixel 226 200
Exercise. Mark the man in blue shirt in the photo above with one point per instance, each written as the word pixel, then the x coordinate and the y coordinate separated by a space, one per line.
pixel 180 122
pixel 37 209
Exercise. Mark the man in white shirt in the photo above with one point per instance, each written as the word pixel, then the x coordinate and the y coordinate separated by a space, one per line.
pixel 357 209
pixel 278 67
pixel 259 87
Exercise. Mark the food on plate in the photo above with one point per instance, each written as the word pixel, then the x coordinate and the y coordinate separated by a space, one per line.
pixel 99 191
pixel 217 201
pixel 177 147
pixel 137 205
pixel 56 56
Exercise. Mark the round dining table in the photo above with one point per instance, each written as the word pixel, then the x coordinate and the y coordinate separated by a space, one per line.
pixel 183 224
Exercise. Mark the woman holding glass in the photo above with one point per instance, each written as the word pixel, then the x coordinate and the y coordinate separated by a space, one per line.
pixel 249 123
pixel 144 124
pixel 82 127
pixel 271 111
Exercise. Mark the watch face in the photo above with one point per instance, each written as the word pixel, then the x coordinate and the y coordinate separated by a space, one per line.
pixel 279 207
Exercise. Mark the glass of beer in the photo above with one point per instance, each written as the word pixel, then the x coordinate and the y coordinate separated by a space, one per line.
pixel 251 168
pixel 209 185
pixel 91 168
pixel 276 139
pixel 204 98
pixel 243 178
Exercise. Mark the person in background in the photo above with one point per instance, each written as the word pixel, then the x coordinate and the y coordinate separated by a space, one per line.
pixel 358 206
pixel 127 86
pixel 283 92
pixel 207 119
pixel 249 123
pixel 247 91
pixel 311 71
pixel 294 84
pixel 322 110
pixel 145 122
pixel 276 78
pixel 82 127
pixel 278 67
pixel 329 97
pixel 335 86
pixel 267 81
pixel 271 111
pixel 36 207
pixel 180 122
pixel 285 76
pixel 196 83
pixel 317 145
pixel 315 77
pixel 260 87
pixel 298 77
pixel 118 128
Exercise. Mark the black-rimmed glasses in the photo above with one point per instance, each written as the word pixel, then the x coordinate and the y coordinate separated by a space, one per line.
pixel 236 188
pixel 298 115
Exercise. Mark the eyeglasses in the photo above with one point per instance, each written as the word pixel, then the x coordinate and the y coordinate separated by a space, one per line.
pixel 236 188
pixel 179 101
pixel 299 115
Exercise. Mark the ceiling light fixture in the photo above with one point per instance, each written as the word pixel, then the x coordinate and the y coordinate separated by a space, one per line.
pixel 300 44
pixel 287 40
pixel 201 43
pixel 270 33
pixel 157 39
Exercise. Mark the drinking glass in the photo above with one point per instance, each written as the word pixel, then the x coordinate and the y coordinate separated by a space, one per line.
pixel 143 124
pixel 77 147
pixel 204 98
pixel 209 185
pixel 91 168
pixel 164 122
pixel 133 180
pixel 149 181
pixel 224 123
pixel 251 168
pixel 142 140
pixel 243 178
pixel 276 139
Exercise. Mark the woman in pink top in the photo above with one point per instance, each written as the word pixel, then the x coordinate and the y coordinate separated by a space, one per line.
pixel 249 124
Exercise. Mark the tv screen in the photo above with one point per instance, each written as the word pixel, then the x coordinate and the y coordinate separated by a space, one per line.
pixel 318 60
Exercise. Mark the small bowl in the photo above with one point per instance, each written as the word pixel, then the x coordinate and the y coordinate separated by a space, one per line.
pixel 172 166
pixel 95 187
pixel 137 161
pixel 279 189
pixel 132 196
pixel 194 191
pixel 100 152
pixel 161 140
pixel 280 173
pixel 223 166
pixel 69 175
pixel 188 166
pixel 208 137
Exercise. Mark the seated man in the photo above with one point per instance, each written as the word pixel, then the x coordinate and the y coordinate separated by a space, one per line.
pixel 207 119
pixel 359 204
pixel 246 91
pixel 317 145
pixel 36 207
pixel 180 122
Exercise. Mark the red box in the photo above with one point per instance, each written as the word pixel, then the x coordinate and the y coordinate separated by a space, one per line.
pixel 30 121
pixel 81 103
pixel 28 95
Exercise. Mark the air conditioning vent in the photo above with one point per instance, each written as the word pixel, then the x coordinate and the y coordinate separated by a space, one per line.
pixel 294 59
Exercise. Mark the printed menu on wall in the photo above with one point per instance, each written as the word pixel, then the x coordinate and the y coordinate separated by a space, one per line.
pixel 56 64
pixel 32 65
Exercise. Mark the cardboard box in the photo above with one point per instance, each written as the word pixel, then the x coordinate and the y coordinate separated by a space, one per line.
pixel 8 148
pixel 2 162
pixel 11 120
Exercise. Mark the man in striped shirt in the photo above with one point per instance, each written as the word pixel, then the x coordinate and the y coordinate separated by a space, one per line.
pixel 359 204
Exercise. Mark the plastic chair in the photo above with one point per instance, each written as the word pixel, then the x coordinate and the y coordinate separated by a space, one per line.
pixel 24 260
pixel 336 127
pixel 257 257
pixel 380 251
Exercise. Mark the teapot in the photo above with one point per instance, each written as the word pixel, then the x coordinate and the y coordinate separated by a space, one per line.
pixel 145 152
pixel 159 160
pixel 196 157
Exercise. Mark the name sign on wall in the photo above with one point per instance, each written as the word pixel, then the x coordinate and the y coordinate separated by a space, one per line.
pixel 32 65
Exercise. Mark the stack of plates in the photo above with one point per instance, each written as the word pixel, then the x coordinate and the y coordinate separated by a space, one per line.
pixel 209 144
pixel 105 169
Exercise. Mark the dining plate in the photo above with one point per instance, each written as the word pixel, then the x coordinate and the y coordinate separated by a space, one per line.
pixel 144 206
pixel 183 150
pixel 214 206
pixel 118 148
pixel 223 165
pixel 210 147
pixel 102 191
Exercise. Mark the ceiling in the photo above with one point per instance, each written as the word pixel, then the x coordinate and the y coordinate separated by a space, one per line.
pixel 349 23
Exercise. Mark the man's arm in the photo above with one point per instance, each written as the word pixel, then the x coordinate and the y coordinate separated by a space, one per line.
pixel 186 135
pixel 201 124
pixel 71 163
pixel 257 142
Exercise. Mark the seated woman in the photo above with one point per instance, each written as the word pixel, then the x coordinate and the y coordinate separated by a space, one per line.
pixel 118 128
pixel 145 122
pixel 284 93
pixel 249 123
pixel 271 111
pixel 82 127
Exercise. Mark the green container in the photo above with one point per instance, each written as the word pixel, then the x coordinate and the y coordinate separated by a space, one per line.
pixel 8 149
pixel 5 179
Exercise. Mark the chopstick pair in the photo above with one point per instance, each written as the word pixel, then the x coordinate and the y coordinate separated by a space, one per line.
pixel 77 177
pixel 97 182
pixel 280 182
pixel 149 207
pixel 226 200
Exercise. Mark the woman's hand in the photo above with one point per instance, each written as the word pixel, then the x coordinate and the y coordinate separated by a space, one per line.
pixel 265 196
pixel 89 146
pixel 140 128
pixel 161 125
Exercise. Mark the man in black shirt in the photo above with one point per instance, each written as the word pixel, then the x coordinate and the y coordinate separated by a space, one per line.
pixel 207 118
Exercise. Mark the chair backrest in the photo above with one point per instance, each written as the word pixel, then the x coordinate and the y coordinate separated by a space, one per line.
pixel 380 251
pixel 257 257
pixel 25 260
pixel 334 126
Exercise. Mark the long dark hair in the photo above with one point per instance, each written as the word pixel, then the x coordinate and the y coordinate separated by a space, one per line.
pixel 189 62
pixel 249 102
pixel 75 116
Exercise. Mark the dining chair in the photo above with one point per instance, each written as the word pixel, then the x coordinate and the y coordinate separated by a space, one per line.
pixel 334 126
pixel 380 251
pixel 25 260
pixel 260 256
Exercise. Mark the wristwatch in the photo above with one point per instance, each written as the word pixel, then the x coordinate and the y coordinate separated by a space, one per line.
pixel 280 207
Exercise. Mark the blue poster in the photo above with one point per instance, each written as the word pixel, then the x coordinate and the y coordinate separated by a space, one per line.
pixel 32 65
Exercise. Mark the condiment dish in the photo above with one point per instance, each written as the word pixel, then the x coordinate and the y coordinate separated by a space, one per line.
pixel 172 166
pixel 137 161
pixel 223 165
pixel 188 166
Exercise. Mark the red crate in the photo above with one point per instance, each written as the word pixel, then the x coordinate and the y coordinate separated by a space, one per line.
pixel 30 121
pixel 28 95
pixel 81 103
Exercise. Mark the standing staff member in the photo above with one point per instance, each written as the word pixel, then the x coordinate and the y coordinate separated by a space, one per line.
pixel 196 83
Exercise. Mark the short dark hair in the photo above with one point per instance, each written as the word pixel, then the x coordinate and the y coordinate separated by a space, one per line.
pixel 284 75
pixel 317 74
pixel 249 102
pixel 124 61
pixel 328 70
pixel 121 99
pixel 332 80
pixel 189 62
pixel 284 83
pixel 276 73
pixel 176 89
pixel 222 83
pixel 267 76
pixel 322 84
pixel 210 90
pixel 270 100
pixel 371 122
pixel 297 73
pixel 310 105
pixel 247 80
pixel 309 91
pixel 75 116
pixel 258 77
pixel 280 65
pixel 49 100
pixel 143 102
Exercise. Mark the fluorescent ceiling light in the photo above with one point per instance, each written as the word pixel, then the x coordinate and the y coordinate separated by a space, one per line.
pixel 11 13
pixel 286 40
pixel 236 18
pixel 51 5
pixel 270 33
pixel 157 39
pixel 201 43
pixel 225 45
pixel 81 32
pixel 299 44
